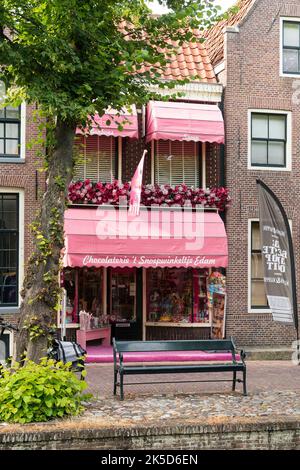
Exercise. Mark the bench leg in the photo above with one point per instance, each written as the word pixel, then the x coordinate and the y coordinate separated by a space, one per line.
pixel 115 381
pixel 244 383
pixel 234 381
pixel 121 386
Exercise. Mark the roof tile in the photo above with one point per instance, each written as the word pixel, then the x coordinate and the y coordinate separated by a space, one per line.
pixel 215 37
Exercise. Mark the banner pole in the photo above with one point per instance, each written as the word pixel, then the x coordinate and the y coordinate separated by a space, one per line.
pixel 292 260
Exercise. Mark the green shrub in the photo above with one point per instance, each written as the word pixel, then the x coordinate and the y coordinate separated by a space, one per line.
pixel 40 392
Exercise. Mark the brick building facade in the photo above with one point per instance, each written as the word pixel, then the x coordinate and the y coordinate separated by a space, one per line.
pixel 248 55
pixel 22 175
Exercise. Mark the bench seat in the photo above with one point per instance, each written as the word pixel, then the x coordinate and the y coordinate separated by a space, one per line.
pixel 155 359
pixel 174 369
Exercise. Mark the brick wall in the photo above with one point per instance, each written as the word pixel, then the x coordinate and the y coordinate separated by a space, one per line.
pixel 26 176
pixel 258 435
pixel 252 81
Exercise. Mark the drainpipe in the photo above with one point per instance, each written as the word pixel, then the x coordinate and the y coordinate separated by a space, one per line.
pixel 222 176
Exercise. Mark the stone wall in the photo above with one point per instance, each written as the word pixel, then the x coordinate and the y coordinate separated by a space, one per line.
pixel 263 435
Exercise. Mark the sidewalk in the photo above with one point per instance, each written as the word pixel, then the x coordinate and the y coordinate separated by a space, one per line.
pixel 269 376
pixel 177 416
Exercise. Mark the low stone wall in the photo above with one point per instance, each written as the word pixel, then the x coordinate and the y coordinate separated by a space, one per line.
pixel 280 435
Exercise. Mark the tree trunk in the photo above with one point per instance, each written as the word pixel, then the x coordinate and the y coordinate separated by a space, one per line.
pixel 41 290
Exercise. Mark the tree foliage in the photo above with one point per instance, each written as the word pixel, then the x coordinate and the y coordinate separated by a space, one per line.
pixel 72 58
pixel 75 57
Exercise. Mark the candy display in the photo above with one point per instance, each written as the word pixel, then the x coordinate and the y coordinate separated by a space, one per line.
pixel 217 304
pixel 177 296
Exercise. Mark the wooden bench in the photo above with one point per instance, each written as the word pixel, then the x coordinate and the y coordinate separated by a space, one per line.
pixel 234 365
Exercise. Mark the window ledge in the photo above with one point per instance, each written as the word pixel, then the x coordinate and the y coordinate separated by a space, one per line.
pixel 269 168
pixel 290 75
pixel 12 160
pixel 259 310
pixel 4 310
pixel 181 325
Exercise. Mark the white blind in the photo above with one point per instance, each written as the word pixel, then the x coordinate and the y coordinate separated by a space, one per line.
pixel 95 158
pixel 176 163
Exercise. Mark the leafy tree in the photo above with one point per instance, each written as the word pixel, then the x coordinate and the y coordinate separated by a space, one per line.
pixel 73 58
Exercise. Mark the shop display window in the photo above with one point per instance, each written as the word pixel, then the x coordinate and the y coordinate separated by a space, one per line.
pixel 69 283
pixel 87 298
pixel 123 295
pixel 182 295
pixel 201 312
pixel 170 295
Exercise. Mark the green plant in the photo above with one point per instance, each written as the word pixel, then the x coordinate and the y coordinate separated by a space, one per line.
pixel 40 392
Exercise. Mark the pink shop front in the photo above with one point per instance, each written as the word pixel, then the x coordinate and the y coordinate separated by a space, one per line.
pixel 157 284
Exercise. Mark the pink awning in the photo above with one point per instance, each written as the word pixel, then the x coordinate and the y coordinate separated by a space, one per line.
pixel 184 121
pixel 162 238
pixel 128 119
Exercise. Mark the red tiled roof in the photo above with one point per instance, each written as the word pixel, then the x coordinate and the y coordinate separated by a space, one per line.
pixel 215 37
pixel 190 60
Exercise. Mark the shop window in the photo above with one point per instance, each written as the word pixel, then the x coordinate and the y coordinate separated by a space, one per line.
pixel 96 159
pixel 268 140
pixel 123 295
pixel 177 163
pixel 291 47
pixel 9 249
pixel 258 296
pixel 90 290
pixel 178 295
pixel 88 297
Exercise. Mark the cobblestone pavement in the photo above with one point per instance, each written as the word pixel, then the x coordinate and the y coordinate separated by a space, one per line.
pixel 274 396
pixel 261 376
pixel 274 392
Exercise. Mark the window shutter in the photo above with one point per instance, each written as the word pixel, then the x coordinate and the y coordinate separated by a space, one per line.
pixel 176 163
pixel 95 158
pixel 162 164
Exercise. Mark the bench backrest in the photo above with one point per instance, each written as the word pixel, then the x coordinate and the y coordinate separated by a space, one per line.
pixel 185 345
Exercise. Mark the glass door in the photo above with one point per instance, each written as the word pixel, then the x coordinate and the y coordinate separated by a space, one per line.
pixel 123 293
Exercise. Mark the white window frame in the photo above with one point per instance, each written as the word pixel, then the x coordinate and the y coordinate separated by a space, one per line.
pixel 288 115
pixel 250 309
pixel 23 133
pixel 292 19
pixel 11 343
pixel 21 158
pixel 20 192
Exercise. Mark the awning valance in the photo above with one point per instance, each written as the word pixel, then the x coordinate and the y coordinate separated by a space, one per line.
pixel 107 125
pixel 158 238
pixel 184 122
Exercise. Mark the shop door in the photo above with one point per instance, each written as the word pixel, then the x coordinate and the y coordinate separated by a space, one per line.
pixel 125 300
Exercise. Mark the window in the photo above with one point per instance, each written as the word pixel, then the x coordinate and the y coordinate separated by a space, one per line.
pixel 170 295
pixel 177 163
pixel 96 158
pixel 10 129
pixel 269 140
pixel 9 249
pixel 291 47
pixel 257 288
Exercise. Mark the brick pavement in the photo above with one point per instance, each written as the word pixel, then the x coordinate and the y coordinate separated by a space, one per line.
pixel 263 376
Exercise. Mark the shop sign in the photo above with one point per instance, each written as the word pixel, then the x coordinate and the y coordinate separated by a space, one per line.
pixel 148 261
pixel 278 257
